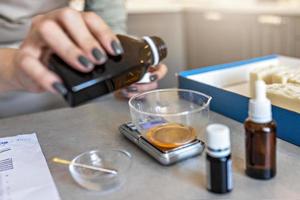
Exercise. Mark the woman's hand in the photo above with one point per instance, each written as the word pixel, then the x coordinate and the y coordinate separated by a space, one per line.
pixel 157 73
pixel 79 38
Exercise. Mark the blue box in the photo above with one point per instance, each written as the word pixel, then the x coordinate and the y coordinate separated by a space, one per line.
pixel 214 80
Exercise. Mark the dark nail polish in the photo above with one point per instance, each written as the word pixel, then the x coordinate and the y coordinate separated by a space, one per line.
pixel 60 88
pixel 98 55
pixel 153 77
pixel 132 89
pixel 85 62
pixel 117 47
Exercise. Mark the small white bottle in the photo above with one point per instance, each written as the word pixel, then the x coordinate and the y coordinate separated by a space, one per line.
pixel 218 159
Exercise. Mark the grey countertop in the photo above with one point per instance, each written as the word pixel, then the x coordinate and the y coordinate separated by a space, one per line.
pixel 70 131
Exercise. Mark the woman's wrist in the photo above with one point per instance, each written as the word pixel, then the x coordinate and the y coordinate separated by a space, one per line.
pixel 8 79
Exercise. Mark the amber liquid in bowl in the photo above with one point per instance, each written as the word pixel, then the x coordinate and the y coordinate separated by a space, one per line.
pixel 170 135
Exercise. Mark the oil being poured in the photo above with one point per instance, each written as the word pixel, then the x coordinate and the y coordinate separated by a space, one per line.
pixel 170 135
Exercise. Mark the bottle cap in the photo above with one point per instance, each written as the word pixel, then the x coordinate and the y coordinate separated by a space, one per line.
pixel 260 108
pixel 161 46
pixel 158 48
pixel 218 140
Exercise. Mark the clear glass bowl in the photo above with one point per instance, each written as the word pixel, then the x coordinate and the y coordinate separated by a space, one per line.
pixel 180 108
pixel 118 160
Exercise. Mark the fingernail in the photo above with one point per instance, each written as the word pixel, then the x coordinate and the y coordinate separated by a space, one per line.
pixel 117 47
pixel 153 77
pixel 132 89
pixel 98 55
pixel 60 88
pixel 85 62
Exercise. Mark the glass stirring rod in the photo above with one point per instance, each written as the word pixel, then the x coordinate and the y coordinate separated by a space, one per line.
pixel 67 162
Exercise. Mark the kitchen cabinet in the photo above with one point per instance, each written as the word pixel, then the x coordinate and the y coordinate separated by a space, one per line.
pixel 296 23
pixel 273 34
pixel 214 38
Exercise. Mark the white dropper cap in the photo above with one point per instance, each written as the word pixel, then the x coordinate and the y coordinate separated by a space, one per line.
pixel 218 140
pixel 260 108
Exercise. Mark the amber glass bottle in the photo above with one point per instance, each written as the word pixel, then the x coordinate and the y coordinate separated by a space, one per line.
pixel 260 149
pixel 260 137
pixel 117 72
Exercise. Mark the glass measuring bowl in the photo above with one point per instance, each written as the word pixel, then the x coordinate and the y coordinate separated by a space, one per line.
pixel 169 118
pixel 119 160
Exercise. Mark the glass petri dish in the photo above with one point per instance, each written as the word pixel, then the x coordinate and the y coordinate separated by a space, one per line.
pixel 119 160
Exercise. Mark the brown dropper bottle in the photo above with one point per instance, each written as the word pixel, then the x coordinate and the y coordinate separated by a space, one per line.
pixel 260 136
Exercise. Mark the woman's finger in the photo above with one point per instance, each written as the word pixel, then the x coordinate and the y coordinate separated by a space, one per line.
pixel 138 88
pixel 103 33
pixel 56 39
pixel 158 72
pixel 81 35
pixel 34 69
pixel 144 87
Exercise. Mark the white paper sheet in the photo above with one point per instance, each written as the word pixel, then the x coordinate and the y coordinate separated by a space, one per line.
pixel 24 173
